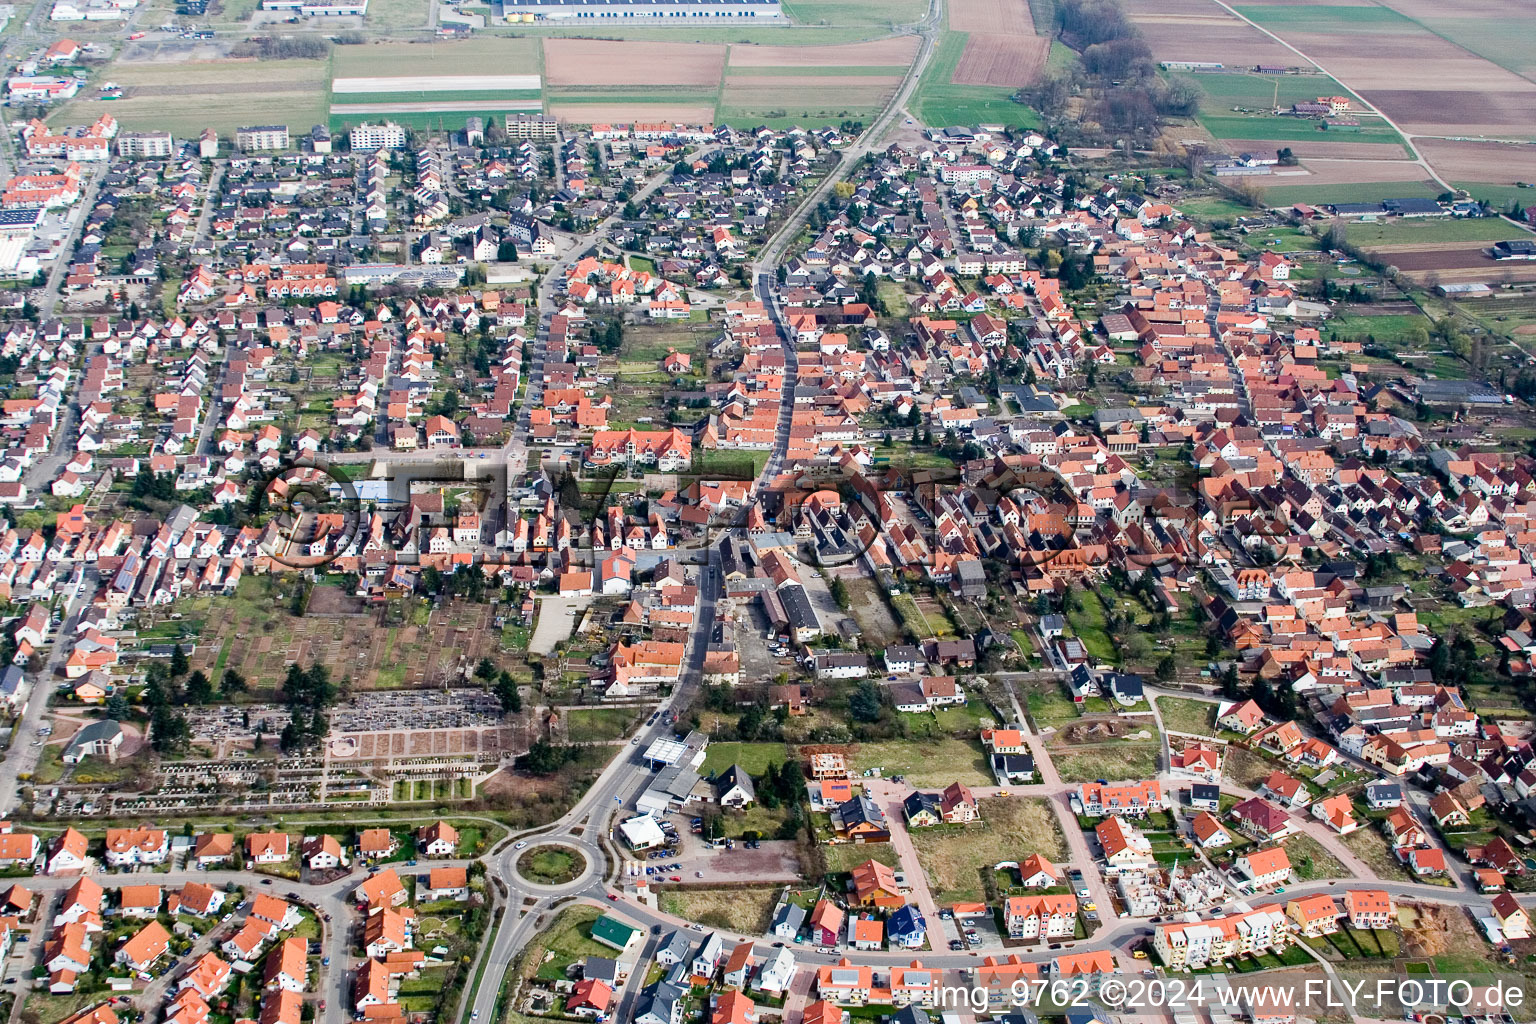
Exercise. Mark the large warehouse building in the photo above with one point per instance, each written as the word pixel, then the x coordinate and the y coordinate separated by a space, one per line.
pixel 646 10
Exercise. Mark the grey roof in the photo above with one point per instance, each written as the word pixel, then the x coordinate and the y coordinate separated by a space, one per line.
pixel 10 680
pixel 104 729
pixel 732 777
pixel 789 919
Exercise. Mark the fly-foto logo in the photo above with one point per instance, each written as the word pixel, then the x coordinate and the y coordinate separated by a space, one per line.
pixel 315 514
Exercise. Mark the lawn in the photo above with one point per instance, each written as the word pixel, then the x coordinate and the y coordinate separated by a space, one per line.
pixel 1182 714
pixel 921 624
pixel 754 757
pixel 551 865
pixel 1050 706
pixel 596 725
pixel 844 857
pixel 1389 327
pixel 1310 862
pixel 936 762
pixel 1087 621
pixel 1117 760
pixel 725 464
pixel 569 938
pixel 1214 208
pixel 956 858
pixel 748 911
pixel 1435 229
pixel 939 103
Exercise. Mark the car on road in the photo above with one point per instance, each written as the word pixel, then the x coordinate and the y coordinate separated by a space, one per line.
pixel 325 961
pixel 614 896
pixel 322 1005
pixel 266 881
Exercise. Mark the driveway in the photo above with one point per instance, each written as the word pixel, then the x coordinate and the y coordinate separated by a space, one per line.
pixel 557 617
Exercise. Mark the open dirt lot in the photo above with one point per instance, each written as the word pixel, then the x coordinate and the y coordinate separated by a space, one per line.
pixel 1199 30
pixel 594 113
pixel 1452 262
pixel 955 858
pixel 994 17
pixel 483 55
pixel 1339 172
pixel 1493 162
pixel 1430 111
pixel 1226 40
pixel 880 53
pixel 593 62
pixel 1006 60
pixel 748 911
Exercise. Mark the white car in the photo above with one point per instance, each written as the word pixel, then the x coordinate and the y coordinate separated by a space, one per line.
pixel 1082 894
pixel 519 844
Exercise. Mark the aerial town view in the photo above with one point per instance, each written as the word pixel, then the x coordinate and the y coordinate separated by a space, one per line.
pixel 767 512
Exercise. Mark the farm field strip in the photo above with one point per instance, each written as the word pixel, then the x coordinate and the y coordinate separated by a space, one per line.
pixel 439 83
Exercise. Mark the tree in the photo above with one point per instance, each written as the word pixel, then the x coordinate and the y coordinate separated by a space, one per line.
pixel 232 682
pixel 486 670
pixel 117 707
pixel 507 693
pixel 864 704
pixel 544 758
pixel 169 731
pixel 199 688
pixel 179 662
pixel 1167 668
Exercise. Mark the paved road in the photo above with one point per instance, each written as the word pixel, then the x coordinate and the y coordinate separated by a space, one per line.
pixel 22 758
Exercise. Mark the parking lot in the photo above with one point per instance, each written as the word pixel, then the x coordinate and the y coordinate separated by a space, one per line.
pixel 700 864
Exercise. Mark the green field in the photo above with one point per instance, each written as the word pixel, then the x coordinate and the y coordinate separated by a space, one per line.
pixel 754 757
pixel 1333 20
pixel 283 91
pixel 1225 91
pixel 939 103
pixel 1288 129
pixel 1389 327
pixel 855 13
pixel 1214 208
pixel 595 725
pixel 1505 41
pixel 1435 229
pixel 1499 195
pixel 1359 192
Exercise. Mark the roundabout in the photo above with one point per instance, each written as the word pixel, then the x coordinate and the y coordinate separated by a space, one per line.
pixel 551 865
